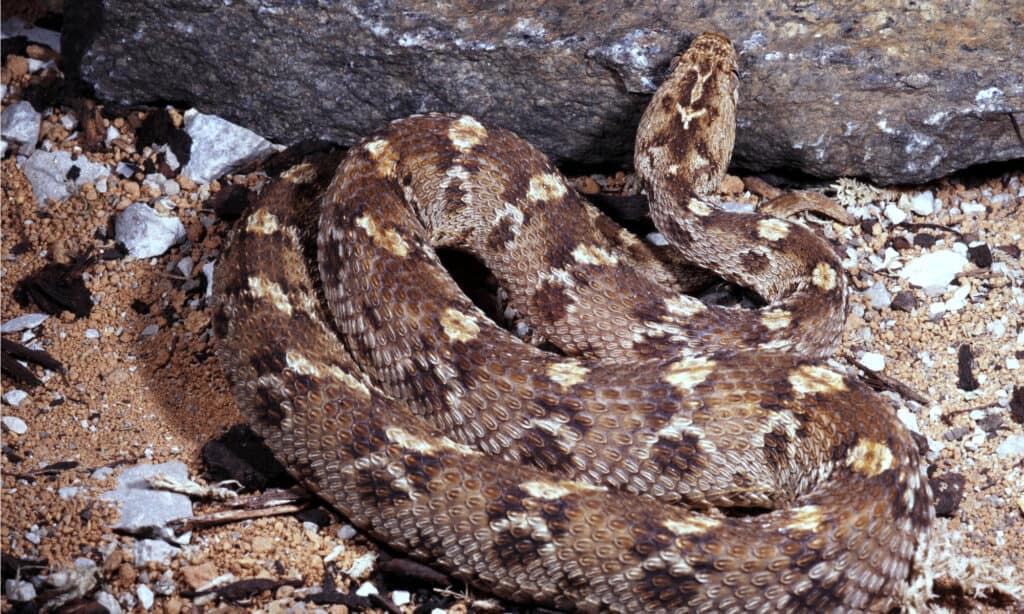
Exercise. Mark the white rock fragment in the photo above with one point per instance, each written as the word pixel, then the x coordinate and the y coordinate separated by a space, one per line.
pixel 366 589
pixel 124 170
pixel 218 146
pixel 69 120
pixel 145 233
pixel 19 591
pixel 108 601
pixel 16 26
pixel 48 174
pixel 346 532
pixel 934 271
pixel 401 598
pixel 895 215
pixel 909 419
pixel 68 492
pixel 14 424
pixel 971 207
pixel 873 361
pixel 1012 363
pixel 112 133
pixel 208 274
pixel 959 299
pixel 14 397
pixel 20 123
pixel 1011 446
pixel 23 322
pixel 878 295
pixel 922 203
pixel 145 595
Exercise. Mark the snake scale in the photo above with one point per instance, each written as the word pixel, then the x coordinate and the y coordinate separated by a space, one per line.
pixel 669 456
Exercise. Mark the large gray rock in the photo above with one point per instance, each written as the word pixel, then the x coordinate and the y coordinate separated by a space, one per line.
pixel 896 95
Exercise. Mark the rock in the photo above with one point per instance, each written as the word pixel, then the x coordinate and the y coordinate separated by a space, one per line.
pixel 14 424
pixel 873 361
pixel 145 507
pixel 14 397
pixel 145 595
pixel 145 233
pixel 49 172
pixel 948 489
pixel 830 89
pixel 904 301
pixel 1011 446
pixel 922 203
pixel 23 322
pixel 895 215
pixel 219 146
pixel 19 591
pixel 878 295
pixel 108 601
pixel 19 123
pixel 933 271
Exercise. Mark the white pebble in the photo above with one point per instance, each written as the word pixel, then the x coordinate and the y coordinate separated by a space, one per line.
pixel 112 133
pixel 23 322
pixel 14 397
pixel 934 271
pixel 873 361
pixel 908 418
pixel 972 207
pixel 146 233
pixel 19 591
pixel 895 215
pixel 145 596
pixel 366 589
pixel 346 532
pixel 14 424
pixel 922 203
pixel 997 328
pixel 218 146
pixel 361 567
pixel 1012 363
pixel 1011 446
pixel 92 333
pixel 400 598
pixel 878 295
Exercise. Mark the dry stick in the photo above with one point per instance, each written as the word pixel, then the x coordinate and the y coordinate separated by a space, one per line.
pixel 884 382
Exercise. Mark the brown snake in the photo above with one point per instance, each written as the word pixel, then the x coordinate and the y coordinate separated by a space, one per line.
pixel 677 457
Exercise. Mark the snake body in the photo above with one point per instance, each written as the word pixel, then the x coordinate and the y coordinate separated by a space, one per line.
pixel 669 457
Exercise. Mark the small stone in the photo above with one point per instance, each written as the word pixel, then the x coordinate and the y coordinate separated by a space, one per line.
pixel 401 598
pixel 934 271
pixel 108 601
pixel 731 184
pixel 14 397
pixel 922 203
pixel 366 589
pixel 149 330
pixel 904 301
pixel 878 295
pixel 895 215
pixel 980 255
pixel 971 207
pixel 112 134
pixel 873 361
pixel 956 434
pixel 68 492
pixel 23 322
pixel 19 591
pixel 92 333
pixel 145 595
pixel 948 489
pixel 361 567
pixel 346 532
pixel 965 369
pixel 184 266
pixel 48 172
pixel 197 576
pixel 218 146
pixel 925 240
pixel 1011 446
pixel 145 233
pixel 19 124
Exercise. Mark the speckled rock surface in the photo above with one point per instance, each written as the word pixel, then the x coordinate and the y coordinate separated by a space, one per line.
pixel 830 89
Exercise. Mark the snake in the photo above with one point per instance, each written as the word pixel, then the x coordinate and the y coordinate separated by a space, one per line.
pixel 656 454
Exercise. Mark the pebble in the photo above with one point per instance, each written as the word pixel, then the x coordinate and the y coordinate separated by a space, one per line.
pixel 19 591
pixel 922 203
pixel 48 172
pixel 1011 446
pixel 904 301
pixel 873 361
pixel 92 333
pixel 14 397
pixel 366 589
pixel 361 567
pixel 971 207
pixel 23 322
pixel 108 601
pixel 142 506
pixel 145 233
pixel 895 215
pixel 219 146
pixel 68 492
pixel 145 595
pixel 208 274
pixel 933 271
pixel 878 295
pixel 14 424
pixel 346 532
pixel 20 123
pixel 401 598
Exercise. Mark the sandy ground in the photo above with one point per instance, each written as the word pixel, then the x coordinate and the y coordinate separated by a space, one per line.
pixel 142 385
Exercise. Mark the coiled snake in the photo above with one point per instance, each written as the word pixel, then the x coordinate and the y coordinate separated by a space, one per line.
pixel 670 457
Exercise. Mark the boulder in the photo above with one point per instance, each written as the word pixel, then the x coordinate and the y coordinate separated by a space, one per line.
pixel 828 89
